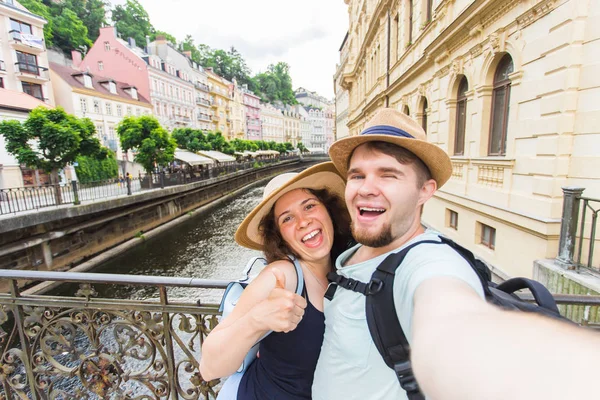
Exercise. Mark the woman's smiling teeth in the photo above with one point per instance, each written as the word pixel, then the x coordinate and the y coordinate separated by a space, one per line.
pixel 363 210
pixel 311 235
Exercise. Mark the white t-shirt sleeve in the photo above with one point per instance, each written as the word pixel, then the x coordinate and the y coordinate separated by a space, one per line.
pixel 424 262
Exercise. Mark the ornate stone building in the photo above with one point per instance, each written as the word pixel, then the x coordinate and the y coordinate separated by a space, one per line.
pixel 510 88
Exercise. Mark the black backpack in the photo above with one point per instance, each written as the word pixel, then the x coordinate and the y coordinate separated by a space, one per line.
pixel 383 322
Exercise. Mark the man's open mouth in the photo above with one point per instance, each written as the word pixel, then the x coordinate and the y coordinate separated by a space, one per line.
pixel 369 211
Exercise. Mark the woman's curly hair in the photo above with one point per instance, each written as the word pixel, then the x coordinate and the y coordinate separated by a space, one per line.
pixel 275 248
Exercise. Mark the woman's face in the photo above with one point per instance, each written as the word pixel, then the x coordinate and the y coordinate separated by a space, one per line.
pixel 304 224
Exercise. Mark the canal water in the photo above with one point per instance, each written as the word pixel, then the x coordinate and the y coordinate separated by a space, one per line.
pixel 202 247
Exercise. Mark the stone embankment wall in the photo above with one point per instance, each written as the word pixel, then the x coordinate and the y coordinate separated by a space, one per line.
pixel 60 238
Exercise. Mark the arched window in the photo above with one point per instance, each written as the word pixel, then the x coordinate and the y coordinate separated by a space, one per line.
pixel 461 117
pixel 406 110
pixel 424 114
pixel 500 109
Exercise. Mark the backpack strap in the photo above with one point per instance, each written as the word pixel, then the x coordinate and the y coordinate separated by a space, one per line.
pixel 299 275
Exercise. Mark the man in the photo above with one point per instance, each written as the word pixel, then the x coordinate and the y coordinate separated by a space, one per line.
pixel 462 348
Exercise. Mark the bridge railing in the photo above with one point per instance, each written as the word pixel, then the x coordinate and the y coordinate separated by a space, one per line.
pixel 85 347
pixel 14 200
pixel 579 224
pixel 82 346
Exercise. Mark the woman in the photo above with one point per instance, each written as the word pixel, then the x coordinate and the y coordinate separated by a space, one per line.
pixel 303 216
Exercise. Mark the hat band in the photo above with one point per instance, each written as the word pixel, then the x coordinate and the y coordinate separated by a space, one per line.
pixel 386 130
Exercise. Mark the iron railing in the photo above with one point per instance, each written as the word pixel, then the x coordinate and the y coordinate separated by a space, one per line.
pixel 578 229
pixel 14 200
pixel 83 347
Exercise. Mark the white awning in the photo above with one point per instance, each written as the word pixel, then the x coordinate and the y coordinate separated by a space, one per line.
pixel 316 150
pixel 267 152
pixel 216 155
pixel 192 158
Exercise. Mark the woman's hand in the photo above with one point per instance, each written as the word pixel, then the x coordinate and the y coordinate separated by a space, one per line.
pixel 282 310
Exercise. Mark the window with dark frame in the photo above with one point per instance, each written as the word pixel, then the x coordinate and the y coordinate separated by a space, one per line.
pixel 500 107
pixel 410 21
pixel 406 110
pixel 424 117
pixel 33 89
pixel 2 83
pixel 21 27
pixel 461 117
pixel 27 63
pixel 488 236
pixel 429 10
pixel 453 219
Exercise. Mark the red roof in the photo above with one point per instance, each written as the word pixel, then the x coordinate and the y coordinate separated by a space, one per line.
pixel 19 100
pixel 67 74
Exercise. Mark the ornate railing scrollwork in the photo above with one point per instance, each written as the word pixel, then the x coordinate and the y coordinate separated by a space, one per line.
pixel 83 347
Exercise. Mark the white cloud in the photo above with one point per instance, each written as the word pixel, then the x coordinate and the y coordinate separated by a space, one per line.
pixel 305 34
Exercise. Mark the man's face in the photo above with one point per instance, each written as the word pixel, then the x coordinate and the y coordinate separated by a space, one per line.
pixel 382 197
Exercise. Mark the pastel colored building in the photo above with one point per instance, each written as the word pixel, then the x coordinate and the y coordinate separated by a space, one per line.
pixel 220 98
pixel 272 123
pixel 253 124
pixel 342 98
pixel 510 89
pixel 24 82
pixel 104 101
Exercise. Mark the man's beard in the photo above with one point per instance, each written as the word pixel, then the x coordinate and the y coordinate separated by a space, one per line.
pixel 380 239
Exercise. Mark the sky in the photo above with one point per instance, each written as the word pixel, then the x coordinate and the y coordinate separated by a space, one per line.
pixel 306 34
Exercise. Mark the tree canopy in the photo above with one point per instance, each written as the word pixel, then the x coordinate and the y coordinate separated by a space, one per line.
pixel 152 144
pixel 132 20
pixel 50 139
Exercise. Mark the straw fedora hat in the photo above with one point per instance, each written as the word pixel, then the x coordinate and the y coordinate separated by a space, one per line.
pixel 392 126
pixel 320 176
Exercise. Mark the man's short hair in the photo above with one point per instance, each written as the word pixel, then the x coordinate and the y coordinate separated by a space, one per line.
pixel 403 156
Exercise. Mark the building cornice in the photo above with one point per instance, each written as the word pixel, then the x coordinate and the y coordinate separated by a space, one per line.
pixel 25 14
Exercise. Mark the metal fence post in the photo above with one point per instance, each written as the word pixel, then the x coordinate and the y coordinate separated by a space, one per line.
pixel 75 192
pixel 128 180
pixel 568 224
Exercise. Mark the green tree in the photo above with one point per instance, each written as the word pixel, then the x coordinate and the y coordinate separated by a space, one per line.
pixel 91 12
pixel 152 143
pixel 132 20
pixel 300 146
pixel 228 64
pixel 50 139
pixel 288 146
pixel 90 169
pixel 191 139
pixel 275 84
pixel 69 32
pixel 188 45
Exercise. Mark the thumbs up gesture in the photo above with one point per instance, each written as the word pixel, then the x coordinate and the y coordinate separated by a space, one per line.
pixel 283 309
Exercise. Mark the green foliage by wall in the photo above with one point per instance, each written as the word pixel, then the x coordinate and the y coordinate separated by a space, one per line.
pixel 91 170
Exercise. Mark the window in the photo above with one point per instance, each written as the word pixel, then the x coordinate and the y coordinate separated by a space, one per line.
pixel 487 236
pixel 424 116
pixel 138 112
pixel 106 46
pixel 83 104
pixel 410 22
pixel 451 219
pixel 429 10
pixel 119 110
pixel 128 110
pixel 406 110
pixel 500 107
pixel 33 89
pixel 461 117
pixel 100 65
pixel 108 107
pixel 2 83
pixel 97 106
pixel 134 93
pixel 19 27
pixel 112 87
pixel 27 63
pixel 100 131
pixel 87 81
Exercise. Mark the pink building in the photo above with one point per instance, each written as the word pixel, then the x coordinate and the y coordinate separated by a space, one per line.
pixel 117 59
pixel 253 124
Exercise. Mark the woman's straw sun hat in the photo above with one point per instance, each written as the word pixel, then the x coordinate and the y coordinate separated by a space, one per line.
pixel 320 176
pixel 392 126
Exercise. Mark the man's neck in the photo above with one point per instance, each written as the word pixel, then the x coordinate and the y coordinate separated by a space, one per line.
pixel 365 253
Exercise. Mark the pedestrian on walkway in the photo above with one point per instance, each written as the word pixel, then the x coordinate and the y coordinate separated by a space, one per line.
pixel 462 347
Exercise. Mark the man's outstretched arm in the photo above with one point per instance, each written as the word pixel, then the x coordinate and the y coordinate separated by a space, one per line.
pixel 464 348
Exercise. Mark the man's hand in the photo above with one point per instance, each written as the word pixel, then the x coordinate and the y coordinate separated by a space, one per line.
pixel 282 310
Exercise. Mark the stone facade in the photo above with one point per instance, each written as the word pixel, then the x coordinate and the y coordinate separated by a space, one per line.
pixel 509 89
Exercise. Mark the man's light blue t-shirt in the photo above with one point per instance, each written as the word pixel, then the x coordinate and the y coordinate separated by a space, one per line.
pixel 350 367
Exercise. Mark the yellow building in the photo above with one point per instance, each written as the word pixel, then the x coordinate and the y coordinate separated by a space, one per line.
pixel 220 99
pixel 291 124
pixel 510 89
pixel 238 113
